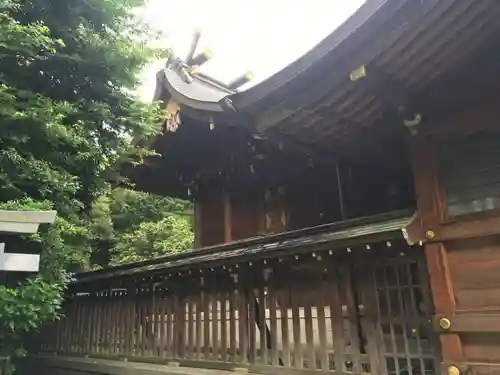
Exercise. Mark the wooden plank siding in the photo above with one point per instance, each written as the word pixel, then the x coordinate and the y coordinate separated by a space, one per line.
pixel 210 222
pixel 316 311
pixel 463 251
pixel 228 217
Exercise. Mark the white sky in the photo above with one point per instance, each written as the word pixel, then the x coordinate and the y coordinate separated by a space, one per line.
pixel 262 36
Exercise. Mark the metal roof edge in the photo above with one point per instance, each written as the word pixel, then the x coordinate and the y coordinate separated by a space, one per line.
pixel 183 99
pixel 364 226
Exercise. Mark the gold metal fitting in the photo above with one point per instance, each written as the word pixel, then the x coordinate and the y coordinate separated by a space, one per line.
pixel 453 370
pixel 358 73
pixel 444 323
pixel 249 75
pixel 208 53
pixel 195 70
pixel 430 234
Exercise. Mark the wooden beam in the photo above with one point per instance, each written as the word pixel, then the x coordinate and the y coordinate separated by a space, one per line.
pixel 467 322
pixel 476 368
pixel 423 154
pixel 483 226
pixel 194 44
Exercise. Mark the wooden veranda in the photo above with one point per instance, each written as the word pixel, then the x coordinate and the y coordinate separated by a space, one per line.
pixel 345 298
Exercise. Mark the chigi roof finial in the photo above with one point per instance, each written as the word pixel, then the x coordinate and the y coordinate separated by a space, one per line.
pixel 183 86
pixel 190 66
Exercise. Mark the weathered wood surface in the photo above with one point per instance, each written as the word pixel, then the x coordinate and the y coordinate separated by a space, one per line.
pixel 469 322
pixel 325 312
pixel 463 254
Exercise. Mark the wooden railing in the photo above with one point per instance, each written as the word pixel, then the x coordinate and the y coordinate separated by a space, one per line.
pixel 358 311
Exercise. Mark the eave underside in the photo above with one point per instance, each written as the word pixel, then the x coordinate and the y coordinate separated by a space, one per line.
pixel 425 57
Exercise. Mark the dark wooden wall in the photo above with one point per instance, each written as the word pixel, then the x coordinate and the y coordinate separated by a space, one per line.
pixel 463 252
pixel 245 209
pixel 314 200
pixel 222 218
pixel 319 196
pixel 210 220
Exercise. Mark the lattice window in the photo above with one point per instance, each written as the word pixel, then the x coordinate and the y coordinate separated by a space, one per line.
pixel 404 310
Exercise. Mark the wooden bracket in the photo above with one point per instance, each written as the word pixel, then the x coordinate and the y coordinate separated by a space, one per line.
pixel 413 232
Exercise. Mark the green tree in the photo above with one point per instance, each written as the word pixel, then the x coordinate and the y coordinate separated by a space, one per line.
pixel 130 225
pixel 153 239
pixel 67 113
pixel 129 208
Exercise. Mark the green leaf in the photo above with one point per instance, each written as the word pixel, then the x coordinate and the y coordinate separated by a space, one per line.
pixel 68 113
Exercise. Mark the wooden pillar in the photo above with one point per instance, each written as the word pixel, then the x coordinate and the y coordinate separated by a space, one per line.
pixel 425 167
pixel 444 299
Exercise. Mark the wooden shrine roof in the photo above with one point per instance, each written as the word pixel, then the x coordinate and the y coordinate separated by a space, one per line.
pixel 332 236
pixel 201 93
pixel 406 47
pixel 392 65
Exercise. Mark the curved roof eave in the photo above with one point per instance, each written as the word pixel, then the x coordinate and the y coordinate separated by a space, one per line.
pixel 253 96
pixel 198 93
pixel 204 94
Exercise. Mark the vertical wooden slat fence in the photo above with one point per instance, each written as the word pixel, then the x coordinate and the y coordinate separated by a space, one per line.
pixel 340 314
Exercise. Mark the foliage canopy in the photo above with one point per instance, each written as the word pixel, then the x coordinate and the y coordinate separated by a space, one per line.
pixel 68 70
